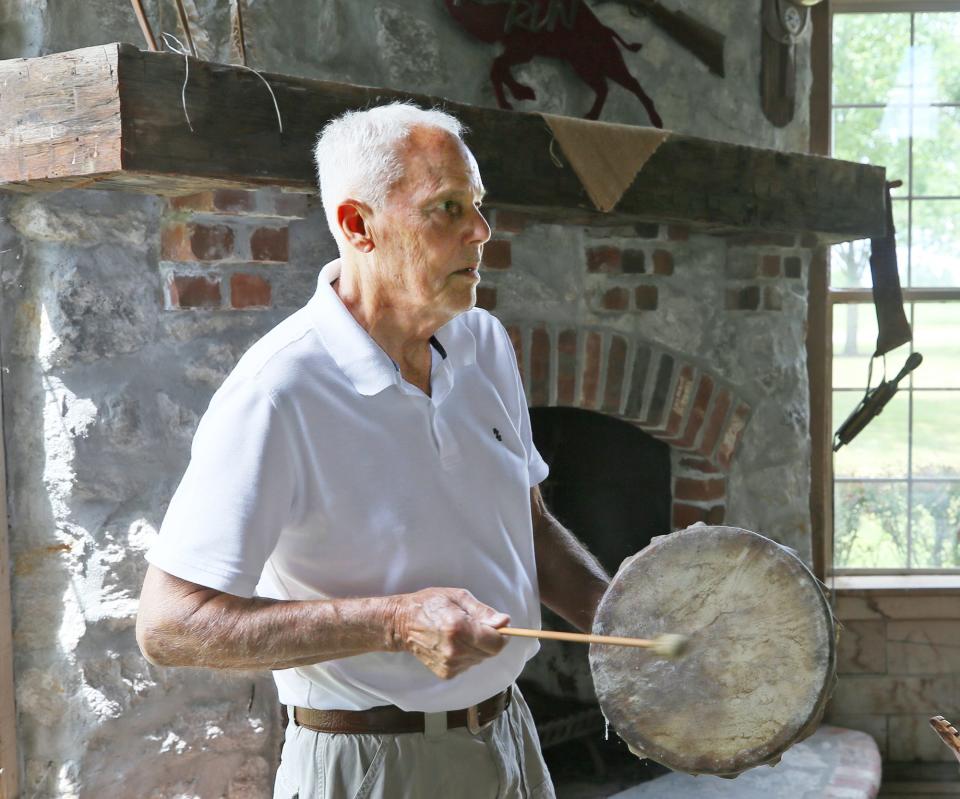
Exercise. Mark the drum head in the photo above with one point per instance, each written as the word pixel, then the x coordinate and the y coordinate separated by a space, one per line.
pixel 760 661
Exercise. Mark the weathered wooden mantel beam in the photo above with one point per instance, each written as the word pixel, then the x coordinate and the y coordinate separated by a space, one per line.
pixel 111 117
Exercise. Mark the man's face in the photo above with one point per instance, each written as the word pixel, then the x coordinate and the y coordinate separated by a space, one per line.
pixel 430 234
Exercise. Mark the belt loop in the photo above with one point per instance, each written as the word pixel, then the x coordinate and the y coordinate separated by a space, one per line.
pixel 434 724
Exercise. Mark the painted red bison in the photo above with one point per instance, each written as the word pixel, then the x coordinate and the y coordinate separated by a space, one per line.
pixel 565 29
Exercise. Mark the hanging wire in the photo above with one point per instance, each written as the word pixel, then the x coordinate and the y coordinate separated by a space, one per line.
pixel 179 48
pixel 173 44
pixel 269 89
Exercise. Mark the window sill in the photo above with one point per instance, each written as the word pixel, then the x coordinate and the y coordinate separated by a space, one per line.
pixel 895 583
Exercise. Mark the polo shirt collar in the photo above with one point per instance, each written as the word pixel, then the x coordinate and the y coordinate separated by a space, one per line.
pixel 360 358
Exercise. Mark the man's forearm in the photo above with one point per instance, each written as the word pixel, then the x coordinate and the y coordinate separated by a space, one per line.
pixel 222 631
pixel 185 624
pixel 571 580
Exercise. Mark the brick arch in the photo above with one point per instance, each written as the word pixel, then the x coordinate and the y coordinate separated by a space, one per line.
pixel 665 394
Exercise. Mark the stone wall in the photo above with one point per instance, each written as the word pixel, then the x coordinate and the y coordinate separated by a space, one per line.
pixel 899 664
pixel 102 391
pixel 121 314
pixel 414 45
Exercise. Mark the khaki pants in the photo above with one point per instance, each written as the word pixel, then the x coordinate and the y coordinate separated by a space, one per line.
pixel 503 761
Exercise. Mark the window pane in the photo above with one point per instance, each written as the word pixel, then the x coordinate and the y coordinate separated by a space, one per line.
pixel 936 335
pixel 937 37
pixel 936 153
pixel 936 434
pixel 850 261
pixel 870 525
pixel 858 135
pixel 880 449
pixel 935 521
pixel 935 239
pixel 854 340
pixel 868 53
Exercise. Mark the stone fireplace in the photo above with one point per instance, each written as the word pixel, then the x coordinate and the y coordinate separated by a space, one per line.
pixel 122 311
pixel 119 328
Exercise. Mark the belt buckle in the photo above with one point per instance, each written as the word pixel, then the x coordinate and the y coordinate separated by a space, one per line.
pixel 473 720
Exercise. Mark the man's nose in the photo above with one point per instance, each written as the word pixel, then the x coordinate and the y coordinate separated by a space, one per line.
pixel 480 232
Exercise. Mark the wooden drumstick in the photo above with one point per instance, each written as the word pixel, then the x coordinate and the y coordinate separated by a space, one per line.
pixel 668 645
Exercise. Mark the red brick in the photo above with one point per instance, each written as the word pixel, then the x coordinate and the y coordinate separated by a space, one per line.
pixel 662 262
pixel 270 244
pixel 732 435
pixel 616 299
pixel 711 433
pixel 201 201
pixel 695 420
pixel 645 298
pixel 699 490
pixel 682 397
pixel 603 259
pixel 716 514
pixel 288 204
pixel 496 254
pixel 616 366
pixel 240 202
pixel 509 221
pixel 540 367
pixel 225 201
pixel 678 232
pixel 591 370
pixel 566 366
pixel 249 291
pixel 770 265
pixel 182 241
pixel 194 291
pixel 685 515
pixel 698 464
pixel 486 297
pixel 234 201
pixel 516 339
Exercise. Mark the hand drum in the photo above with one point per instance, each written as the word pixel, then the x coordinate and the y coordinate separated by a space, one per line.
pixel 760 662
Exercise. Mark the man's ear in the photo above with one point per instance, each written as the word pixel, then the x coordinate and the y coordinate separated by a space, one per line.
pixel 352 219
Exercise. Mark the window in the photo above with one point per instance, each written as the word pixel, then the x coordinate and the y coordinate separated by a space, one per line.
pixel 896 102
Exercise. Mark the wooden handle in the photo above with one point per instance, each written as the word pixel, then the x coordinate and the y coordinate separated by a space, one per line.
pixel 144 25
pixel 185 24
pixel 583 638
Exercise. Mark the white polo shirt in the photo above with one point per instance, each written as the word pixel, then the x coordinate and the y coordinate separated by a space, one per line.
pixel 318 472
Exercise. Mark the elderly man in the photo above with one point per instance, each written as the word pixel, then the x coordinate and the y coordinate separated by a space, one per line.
pixel 361 510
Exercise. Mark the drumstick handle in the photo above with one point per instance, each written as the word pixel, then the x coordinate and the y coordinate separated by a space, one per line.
pixel 583 638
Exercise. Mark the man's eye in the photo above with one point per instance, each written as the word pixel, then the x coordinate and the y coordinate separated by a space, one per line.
pixel 452 207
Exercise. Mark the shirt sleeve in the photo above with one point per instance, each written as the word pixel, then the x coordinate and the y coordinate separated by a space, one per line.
pixel 235 497
pixel 537 468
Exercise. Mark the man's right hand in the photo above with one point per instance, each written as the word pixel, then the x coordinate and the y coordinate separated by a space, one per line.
pixel 447 629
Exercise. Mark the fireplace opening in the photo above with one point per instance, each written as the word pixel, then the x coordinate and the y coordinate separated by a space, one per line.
pixel 609 483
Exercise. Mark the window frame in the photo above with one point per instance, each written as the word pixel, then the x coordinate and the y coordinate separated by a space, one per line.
pixel 823 299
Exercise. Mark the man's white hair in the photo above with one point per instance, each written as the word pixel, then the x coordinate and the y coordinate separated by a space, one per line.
pixel 357 154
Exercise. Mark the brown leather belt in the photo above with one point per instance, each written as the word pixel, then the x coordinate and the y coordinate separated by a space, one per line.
pixel 391 720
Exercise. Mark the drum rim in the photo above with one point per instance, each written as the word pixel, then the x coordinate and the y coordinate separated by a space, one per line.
pixel 771 752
